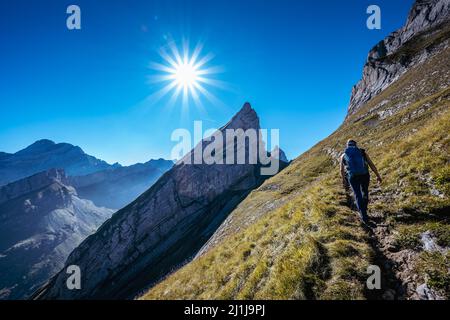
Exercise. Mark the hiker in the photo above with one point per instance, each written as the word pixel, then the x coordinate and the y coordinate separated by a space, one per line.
pixel 355 172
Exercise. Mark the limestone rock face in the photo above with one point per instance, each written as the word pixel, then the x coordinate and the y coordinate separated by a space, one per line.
pixel 388 60
pixel 41 221
pixel 163 228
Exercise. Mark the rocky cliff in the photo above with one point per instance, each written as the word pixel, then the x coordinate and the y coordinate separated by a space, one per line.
pixel 164 227
pixel 394 56
pixel 41 221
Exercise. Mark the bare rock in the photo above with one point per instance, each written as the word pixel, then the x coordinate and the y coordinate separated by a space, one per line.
pixel 425 293
pixel 429 243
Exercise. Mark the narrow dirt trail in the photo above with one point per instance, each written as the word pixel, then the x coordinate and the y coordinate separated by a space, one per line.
pixel 392 286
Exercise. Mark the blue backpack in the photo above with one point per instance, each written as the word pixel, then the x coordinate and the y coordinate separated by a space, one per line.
pixel 355 161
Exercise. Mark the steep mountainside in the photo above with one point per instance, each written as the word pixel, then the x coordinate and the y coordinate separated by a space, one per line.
pixel 41 221
pixel 116 187
pixel 296 236
pixel 44 155
pixel 164 227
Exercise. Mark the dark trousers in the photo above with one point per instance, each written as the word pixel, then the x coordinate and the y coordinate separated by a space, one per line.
pixel 360 187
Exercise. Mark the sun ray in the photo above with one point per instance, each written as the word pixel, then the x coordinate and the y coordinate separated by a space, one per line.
pixel 159 78
pixel 197 101
pixel 213 82
pixel 165 55
pixel 212 70
pixel 185 51
pixel 196 54
pixel 162 92
pixel 161 67
pixel 173 98
pixel 208 95
pixel 203 61
pixel 175 53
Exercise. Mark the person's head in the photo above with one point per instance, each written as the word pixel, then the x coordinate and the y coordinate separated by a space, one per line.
pixel 351 143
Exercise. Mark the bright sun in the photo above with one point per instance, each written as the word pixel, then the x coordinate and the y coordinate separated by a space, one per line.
pixel 186 75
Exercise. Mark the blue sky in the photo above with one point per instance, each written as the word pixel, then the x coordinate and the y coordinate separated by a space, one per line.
pixel 295 61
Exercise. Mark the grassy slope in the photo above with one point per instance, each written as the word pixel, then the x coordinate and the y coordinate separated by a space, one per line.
pixel 295 237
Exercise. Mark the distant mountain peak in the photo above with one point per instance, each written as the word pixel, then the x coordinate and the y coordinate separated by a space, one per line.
pixel 247 107
pixel 38 146
pixel 246 118
pixel 44 142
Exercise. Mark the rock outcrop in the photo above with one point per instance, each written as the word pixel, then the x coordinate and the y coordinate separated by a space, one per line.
pixel 391 58
pixel 164 227
pixel 41 221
